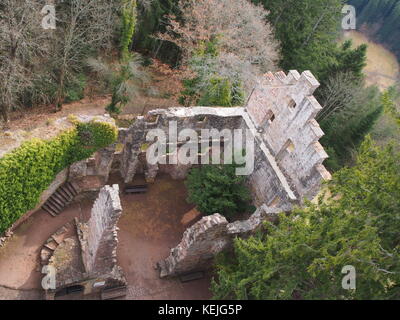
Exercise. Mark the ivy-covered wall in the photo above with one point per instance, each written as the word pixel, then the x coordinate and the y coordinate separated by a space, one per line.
pixel 30 169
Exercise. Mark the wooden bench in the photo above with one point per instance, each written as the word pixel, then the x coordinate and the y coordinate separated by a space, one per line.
pixel 191 276
pixel 136 189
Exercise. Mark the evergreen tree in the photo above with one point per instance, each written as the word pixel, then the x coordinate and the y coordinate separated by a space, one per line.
pixel 302 257
pixel 217 189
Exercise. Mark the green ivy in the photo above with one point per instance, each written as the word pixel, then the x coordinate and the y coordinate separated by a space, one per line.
pixel 30 169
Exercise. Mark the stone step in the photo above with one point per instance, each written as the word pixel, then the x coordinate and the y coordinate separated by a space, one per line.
pixel 52 212
pixel 57 200
pixel 60 199
pixel 52 208
pixel 66 191
pixel 45 255
pixel 71 187
pixel 63 195
pixel 55 204
pixel 52 245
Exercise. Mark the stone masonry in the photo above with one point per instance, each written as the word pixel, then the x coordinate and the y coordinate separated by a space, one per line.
pixel 99 235
pixel 288 166
pixel 283 109
pixel 87 258
pixel 209 236
pixel 279 114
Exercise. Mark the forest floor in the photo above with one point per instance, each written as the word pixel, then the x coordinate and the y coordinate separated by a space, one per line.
pixel 382 67
pixel 166 83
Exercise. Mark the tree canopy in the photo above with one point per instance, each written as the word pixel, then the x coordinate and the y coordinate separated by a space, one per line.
pixel 303 255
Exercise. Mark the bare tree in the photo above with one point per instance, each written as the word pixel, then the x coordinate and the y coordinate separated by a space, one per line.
pixel 339 92
pixel 22 42
pixel 83 28
pixel 239 26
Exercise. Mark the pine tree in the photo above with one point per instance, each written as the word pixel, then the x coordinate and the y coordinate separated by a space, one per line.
pixel 302 257
pixel 217 189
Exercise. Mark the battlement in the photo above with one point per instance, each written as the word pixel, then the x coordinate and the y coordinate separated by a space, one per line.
pixel 283 109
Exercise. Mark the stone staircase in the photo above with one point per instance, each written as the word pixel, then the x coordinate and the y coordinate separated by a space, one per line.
pixel 53 242
pixel 60 199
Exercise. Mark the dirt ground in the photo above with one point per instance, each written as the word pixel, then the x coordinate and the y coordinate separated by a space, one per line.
pixel 166 87
pixel 149 227
pixel 19 258
pixel 382 66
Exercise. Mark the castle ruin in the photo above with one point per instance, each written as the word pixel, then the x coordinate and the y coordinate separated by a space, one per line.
pixel 288 168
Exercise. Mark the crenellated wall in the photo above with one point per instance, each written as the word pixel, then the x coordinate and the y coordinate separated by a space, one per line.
pixel 283 109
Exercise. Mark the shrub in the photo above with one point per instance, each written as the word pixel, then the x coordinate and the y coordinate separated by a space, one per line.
pixel 75 90
pixel 29 170
pixel 217 189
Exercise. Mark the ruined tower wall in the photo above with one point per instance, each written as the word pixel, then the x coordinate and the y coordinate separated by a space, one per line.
pixel 283 110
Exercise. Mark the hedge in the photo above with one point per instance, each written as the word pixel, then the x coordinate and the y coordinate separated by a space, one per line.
pixel 30 169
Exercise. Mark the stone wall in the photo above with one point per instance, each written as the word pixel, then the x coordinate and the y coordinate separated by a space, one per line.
pixel 99 235
pixel 283 109
pixel 267 182
pixel 280 114
pixel 198 246
pixel 208 237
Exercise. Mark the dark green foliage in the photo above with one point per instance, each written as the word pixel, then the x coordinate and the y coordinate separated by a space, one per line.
pixel 217 189
pixel 347 60
pixel 345 130
pixel 29 170
pixel 208 88
pixel 221 92
pixel 390 98
pixel 302 257
pixel 151 21
pixel 307 30
pixel 75 90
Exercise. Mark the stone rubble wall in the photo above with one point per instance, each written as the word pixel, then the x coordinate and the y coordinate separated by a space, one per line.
pixel 208 237
pixel 98 236
pixel 198 246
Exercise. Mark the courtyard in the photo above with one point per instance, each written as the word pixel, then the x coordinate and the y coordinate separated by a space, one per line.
pixel 150 226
